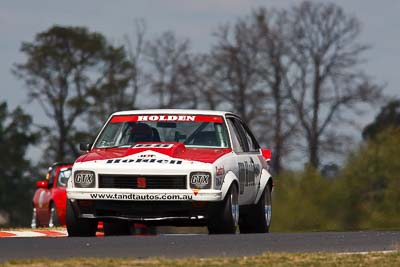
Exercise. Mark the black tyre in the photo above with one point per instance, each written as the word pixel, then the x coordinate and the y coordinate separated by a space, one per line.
pixel 117 228
pixel 53 220
pixel 257 218
pixel 77 226
pixel 224 216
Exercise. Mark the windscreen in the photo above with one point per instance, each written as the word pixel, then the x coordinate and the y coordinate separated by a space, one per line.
pixel 191 130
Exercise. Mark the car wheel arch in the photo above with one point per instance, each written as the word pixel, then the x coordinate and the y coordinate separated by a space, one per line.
pixel 265 179
pixel 229 179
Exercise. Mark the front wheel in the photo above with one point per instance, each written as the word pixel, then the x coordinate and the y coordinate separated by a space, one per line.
pixel 224 216
pixel 77 226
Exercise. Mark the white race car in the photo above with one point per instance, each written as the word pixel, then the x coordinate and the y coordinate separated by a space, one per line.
pixel 171 167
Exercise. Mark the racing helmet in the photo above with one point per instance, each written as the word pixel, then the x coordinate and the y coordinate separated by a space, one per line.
pixel 141 132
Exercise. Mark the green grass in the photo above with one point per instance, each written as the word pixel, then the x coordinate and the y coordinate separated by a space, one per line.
pixel 267 259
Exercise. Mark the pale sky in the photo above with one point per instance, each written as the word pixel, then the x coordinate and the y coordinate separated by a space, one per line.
pixel 196 20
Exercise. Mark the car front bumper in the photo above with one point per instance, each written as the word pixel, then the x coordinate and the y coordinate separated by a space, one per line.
pixel 144 194
pixel 177 213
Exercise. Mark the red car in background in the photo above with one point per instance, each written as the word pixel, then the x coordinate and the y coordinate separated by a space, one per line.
pixel 50 198
pixel 49 201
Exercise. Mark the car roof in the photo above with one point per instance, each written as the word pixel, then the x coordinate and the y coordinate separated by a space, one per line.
pixel 174 111
pixel 60 164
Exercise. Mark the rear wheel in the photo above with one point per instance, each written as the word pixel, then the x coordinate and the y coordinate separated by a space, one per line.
pixel 54 220
pixel 224 216
pixel 77 226
pixel 257 218
pixel 117 228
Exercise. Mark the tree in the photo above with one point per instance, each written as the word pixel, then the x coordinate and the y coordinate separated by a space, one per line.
pixel 249 65
pixel 202 84
pixel 170 72
pixel 64 67
pixel 326 81
pixel 113 94
pixel 16 135
pixel 370 183
pixel 274 67
pixel 135 50
pixel 389 116
pixel 234 64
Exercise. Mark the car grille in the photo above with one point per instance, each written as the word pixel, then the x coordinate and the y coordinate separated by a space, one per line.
pixel 151 181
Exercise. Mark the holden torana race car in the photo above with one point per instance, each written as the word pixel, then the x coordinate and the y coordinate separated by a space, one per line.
pixel 49 199
pixel 171 167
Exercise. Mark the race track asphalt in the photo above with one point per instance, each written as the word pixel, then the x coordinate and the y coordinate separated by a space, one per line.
pixel 174 246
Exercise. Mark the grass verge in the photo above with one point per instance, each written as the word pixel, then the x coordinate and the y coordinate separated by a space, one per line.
pixel 270 259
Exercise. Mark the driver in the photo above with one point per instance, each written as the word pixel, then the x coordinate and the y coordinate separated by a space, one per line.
pixel 141 132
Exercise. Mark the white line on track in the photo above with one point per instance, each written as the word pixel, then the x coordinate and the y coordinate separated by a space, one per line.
pixel 64 233
pixel 369 252
pixel 182 234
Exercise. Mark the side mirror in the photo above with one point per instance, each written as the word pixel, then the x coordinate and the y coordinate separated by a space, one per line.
pixel 42 184
pixel 266 153
pixel 85 147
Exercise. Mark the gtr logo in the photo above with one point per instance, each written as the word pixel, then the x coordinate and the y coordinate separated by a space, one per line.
pixel 141 182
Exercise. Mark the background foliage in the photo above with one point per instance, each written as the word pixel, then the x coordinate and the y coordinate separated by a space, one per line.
pixel 364 195
pixel 16 184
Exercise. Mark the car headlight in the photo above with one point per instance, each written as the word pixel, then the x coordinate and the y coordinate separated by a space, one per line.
pixel 200 180
pixel 84 179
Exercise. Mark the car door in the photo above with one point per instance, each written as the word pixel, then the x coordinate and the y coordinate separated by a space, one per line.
pixel 255 158
pixel 59 194
pixel 43 210
pixel 248 166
